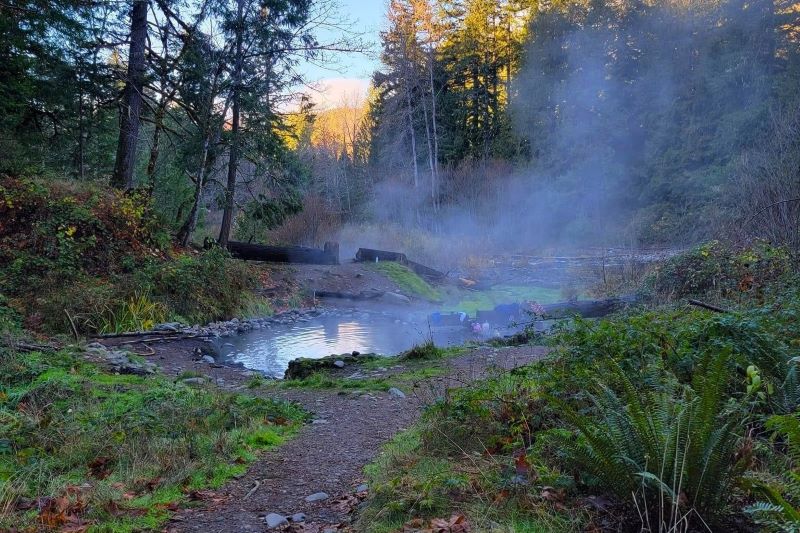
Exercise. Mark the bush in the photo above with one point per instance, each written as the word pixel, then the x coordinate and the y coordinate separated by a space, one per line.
pixel 75 254
pixel 719 271
pixel 657 415
pixel 209 286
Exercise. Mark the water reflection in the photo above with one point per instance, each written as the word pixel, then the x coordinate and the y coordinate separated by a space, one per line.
pixel 270 350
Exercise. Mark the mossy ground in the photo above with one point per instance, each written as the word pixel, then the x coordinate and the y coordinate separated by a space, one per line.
pixel 407 280
pixel 118 453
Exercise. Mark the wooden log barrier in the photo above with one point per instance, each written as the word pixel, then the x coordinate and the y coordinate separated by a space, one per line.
pixel 285 254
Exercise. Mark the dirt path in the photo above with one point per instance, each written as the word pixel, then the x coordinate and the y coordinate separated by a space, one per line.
pixel 327 455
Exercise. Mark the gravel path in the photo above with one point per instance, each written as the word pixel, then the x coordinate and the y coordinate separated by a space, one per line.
pixel 327 455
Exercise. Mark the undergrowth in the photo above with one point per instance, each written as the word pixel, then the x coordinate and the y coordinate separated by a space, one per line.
pixel 75 255
pixel 80 447
pixel 673 419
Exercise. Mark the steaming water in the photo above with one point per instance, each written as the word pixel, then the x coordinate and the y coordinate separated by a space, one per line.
pixel 269 350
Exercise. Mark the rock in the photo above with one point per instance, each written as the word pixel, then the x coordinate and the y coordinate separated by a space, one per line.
pixel 397 393
pixel 396 297
pixel 338 363
pixel 298 517
pixel 319 421
pixel 208 359
pixel 362 488
pixel 317 497
pixel 274 520
pixel 169 326
pixel 194 381
pixel 124 363
pixel 95 348
pixel 302 367
pixel 355 353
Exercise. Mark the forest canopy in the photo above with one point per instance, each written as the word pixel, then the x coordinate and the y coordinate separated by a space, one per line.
pixel 516 122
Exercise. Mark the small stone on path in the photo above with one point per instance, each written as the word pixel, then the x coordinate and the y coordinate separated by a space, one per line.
pixel 397 393
pixel 362 488
pixel 317 497
pixel 298 517
pixel 338 363
pixel 275 520
pixel 208 359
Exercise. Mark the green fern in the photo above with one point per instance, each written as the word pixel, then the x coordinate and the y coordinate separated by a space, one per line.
pixel 779 510
pixel 671 446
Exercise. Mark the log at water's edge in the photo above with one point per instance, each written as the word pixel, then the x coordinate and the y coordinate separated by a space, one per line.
pixel 285 254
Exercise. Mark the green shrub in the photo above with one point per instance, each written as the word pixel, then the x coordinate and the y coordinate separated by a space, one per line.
pixel 779 493
pixel 719 271
pixel 672 447
pixel 204 287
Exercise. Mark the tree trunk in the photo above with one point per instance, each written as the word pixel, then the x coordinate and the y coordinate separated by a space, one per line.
pixel 435 184
pixel 131 99
pixel 154 149
pixel 233 161
pixel 185 233
pixel 413 137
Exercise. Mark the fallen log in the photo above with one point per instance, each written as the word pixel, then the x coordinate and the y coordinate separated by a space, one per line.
pixel 698 303
pixel 515 313
pixel 586 308
pixel 285 254
pixel 365 295
pixel 372 255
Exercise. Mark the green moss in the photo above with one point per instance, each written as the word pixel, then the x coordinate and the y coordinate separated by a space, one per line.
pixel 66 423
pixel 407 280
pixel 472 301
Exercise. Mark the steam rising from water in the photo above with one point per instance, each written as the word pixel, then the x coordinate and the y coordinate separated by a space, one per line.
pixel 606 104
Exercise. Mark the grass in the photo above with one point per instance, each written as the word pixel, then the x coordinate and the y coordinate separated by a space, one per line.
pixel 407 280
pixel 320 380
pixel 118 453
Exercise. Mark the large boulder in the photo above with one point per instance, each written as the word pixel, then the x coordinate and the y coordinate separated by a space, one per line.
pixel 303 367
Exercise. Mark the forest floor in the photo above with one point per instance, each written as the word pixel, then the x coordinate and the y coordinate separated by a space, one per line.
pixel 347 432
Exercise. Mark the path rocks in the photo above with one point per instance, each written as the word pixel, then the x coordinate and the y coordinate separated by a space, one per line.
pixel 317 497
pixel 298 517
pixel 274 520
pixel 195 382
pixel 208 359
pixel 338 363
pixel 397 393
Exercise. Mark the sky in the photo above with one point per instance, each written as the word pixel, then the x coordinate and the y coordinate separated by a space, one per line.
pixel 348 76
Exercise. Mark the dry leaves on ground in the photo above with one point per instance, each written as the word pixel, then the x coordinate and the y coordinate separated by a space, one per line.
pixel 455 524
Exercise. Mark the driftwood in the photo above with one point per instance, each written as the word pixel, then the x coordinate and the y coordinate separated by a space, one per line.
pixel 164 338
pixel 370 255
pixel 710 307
pixel 285 254
pixel 29 347
pixel 134 334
